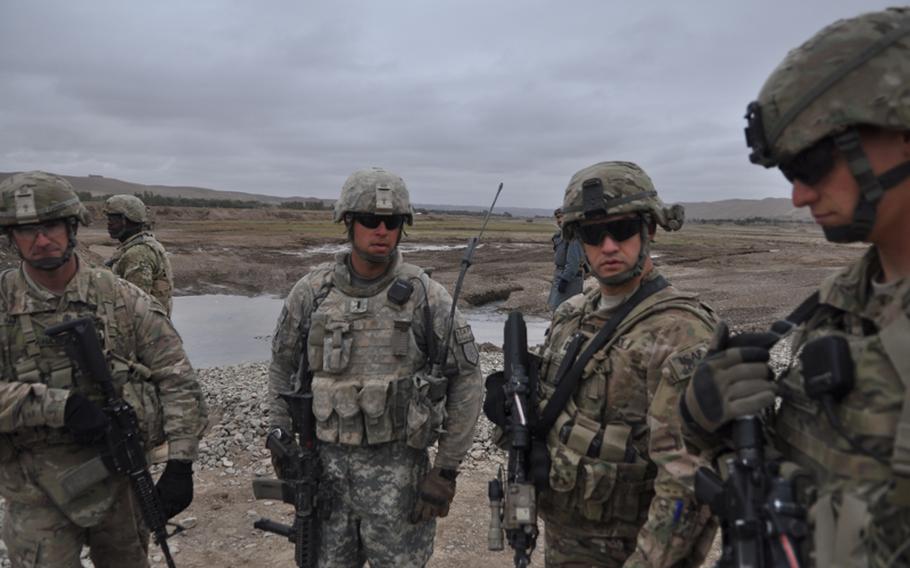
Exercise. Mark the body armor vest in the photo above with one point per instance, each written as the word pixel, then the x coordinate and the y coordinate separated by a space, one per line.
pixel 40 454
pixel 599 443
pixel 369 372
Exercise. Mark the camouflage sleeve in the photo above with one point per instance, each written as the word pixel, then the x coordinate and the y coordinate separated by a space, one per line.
pixel 286 346
pixel 138 265
pixel 465 392
pixel 677 528
pixel 23 405
pixel 159 347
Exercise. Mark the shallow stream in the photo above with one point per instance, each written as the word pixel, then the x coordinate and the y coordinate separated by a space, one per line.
pixel 225 330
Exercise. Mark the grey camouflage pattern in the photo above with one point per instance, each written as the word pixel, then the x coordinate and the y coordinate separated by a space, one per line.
pixel 374 190
pixel 373 491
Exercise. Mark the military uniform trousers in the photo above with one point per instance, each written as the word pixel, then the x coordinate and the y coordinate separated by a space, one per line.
pixel 372 490
pixel 40 536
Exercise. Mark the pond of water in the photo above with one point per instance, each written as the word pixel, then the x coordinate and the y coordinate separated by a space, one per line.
pixel 226 330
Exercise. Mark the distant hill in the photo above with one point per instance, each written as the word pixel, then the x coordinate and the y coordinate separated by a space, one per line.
pixel 769 208
pixel 729 209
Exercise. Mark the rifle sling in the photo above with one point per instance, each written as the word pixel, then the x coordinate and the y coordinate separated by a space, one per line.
pixel 567 384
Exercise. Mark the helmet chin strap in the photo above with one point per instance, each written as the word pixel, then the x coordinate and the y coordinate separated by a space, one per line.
pixel 635 271
pixel 49 264
pixel 872 189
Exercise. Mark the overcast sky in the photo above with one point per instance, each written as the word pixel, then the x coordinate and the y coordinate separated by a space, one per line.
pixel 289 97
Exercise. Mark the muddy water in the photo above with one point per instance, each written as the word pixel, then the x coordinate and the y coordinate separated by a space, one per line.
pixel 226 330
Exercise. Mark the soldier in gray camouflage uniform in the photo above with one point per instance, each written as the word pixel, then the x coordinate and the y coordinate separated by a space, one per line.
pixel 372 325
pixel 51 420
pixel 621 482
pixel 834 116
pixel 140 258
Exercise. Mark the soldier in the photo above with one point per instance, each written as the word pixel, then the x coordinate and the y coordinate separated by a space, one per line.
pixel 569 259
pixel 372 325
pixel 140 258
pixel 620 479
pixel 50 415
pixel 834 116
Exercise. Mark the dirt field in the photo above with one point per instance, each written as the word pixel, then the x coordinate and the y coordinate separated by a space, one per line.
pixel 749 274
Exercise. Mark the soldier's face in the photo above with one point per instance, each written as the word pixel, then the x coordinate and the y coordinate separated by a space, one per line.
pixel 611 256
pixel 115 225
pixel 41 240
pixel 832 198
pixel 379 241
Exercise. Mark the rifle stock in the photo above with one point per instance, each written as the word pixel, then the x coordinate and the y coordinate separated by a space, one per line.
pixel 125 454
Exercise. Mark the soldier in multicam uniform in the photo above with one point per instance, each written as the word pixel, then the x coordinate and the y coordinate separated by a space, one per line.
pixel 140 258
pixel 372 325
pixel 620 479
pixel 834 116
pixel 50 415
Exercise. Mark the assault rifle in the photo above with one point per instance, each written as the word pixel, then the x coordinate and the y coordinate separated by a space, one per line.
pixel 762 523
pixel 513 501
pixel 300 470
pixel 123 453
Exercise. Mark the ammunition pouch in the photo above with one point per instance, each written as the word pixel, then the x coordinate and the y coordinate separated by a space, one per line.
pixel 426 411
pixel 598 489
pixel 380 411
pixel 74 479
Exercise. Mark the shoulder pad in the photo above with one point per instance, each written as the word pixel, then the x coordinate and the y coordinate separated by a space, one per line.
pixel 407 270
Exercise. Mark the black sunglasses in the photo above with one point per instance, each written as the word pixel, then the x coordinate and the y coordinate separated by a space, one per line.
pixel 619 230
pixel 812 164
pixel 371 221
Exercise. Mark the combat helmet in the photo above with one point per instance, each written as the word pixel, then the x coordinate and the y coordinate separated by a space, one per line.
pixel 852 73
pixel 375 191
pixel 129 206
pixel 37 197
pixel 617 188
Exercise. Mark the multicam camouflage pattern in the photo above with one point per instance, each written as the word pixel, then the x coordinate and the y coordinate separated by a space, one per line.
pixel 871 412
pixel 35 197
pixel 142 260
pixel 373 490
pixel 626 188
pixel 374 191
pixel 875 93
pixel 129 206
pixel 149 367
pixel 369 359
pixel 636 493
pixel 42 536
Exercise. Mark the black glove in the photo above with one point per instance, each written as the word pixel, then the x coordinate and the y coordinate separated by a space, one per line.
pixel 733 381
pixel 86 420
pixel 562 285
pixel 434 495
pixel 175 487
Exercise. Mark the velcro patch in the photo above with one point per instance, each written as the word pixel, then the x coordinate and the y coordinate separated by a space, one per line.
pixel 683 363
pixel 464 335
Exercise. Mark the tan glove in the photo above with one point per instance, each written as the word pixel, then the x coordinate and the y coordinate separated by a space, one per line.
pixel 434 495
